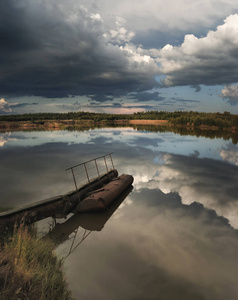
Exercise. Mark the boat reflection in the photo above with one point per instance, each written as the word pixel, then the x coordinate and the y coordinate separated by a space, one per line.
pixel 81 225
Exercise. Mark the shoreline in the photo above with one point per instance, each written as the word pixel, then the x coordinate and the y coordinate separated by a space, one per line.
pixel 65 124
pixel 6 126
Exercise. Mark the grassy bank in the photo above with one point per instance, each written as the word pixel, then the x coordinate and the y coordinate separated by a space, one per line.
pixel 29 269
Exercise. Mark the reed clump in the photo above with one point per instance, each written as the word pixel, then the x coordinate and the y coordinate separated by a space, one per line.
pixel 29 269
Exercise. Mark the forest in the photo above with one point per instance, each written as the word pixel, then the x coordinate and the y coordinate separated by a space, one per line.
pixel 185 118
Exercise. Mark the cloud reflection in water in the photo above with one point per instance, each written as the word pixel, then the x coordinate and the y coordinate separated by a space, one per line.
pixel 158 248
pixel 159 243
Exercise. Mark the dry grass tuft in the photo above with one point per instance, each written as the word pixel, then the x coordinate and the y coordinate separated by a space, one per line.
pixel 29 269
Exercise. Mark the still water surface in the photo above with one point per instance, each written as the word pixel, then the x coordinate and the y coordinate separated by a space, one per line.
pixel 173 237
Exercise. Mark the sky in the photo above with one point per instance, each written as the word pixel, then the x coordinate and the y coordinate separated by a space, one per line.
pixel 118 57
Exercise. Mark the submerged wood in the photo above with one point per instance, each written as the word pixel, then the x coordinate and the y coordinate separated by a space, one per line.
pixel 101 198
pixel 58 206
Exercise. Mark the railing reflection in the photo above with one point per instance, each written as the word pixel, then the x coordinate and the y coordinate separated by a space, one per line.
pixel 87 222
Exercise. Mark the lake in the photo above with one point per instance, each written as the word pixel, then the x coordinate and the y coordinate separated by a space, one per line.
pixel 174 236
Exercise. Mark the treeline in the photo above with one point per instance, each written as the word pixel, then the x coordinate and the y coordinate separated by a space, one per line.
pixel 196 119
pixel 81 115
pixel 190 118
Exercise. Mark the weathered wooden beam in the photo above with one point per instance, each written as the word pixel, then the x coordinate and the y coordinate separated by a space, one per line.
pixel 57 206
pixel 88 221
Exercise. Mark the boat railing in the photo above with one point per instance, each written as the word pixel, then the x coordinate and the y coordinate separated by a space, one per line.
pixel 89 170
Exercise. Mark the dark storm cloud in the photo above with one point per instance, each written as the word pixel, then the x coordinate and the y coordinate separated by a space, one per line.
pixel 16 37
pixel 185 100
pixel 196 87
pixel 158 39
pixel 114 104
pixel 145 96
pixel 119 105
pixel 101 98
pixel 20 105
pixel 55 50
pixel 111 105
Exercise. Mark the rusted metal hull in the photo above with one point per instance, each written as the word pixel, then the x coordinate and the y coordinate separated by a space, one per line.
pixel 101 198
pixel 58 206
pixel 92 221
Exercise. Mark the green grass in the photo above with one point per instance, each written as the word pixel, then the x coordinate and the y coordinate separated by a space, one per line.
pixel 29 269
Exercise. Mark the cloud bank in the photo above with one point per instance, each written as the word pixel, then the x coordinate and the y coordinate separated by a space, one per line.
pixel 59 50
pixel 106 50
pixel 209 60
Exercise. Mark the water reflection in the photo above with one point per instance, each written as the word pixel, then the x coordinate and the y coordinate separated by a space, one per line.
pixel 229 153
pixel 5 138
pixel 173 237
pixel 61 232
pixel 34 163
pixel 200 170
pixel 212 134
pixel 210 182
pixel 158 248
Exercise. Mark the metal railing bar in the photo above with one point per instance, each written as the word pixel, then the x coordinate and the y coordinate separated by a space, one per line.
pixel 86 172
pixel 97 167
pixel 103 156
pixel 105 163
pixel 74 179
pixel 111 161
pixel 89 169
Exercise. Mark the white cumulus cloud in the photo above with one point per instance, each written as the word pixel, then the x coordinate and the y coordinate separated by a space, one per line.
pixel 208 60
pixel 119 34
pixel 230 92
pixel 4 106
